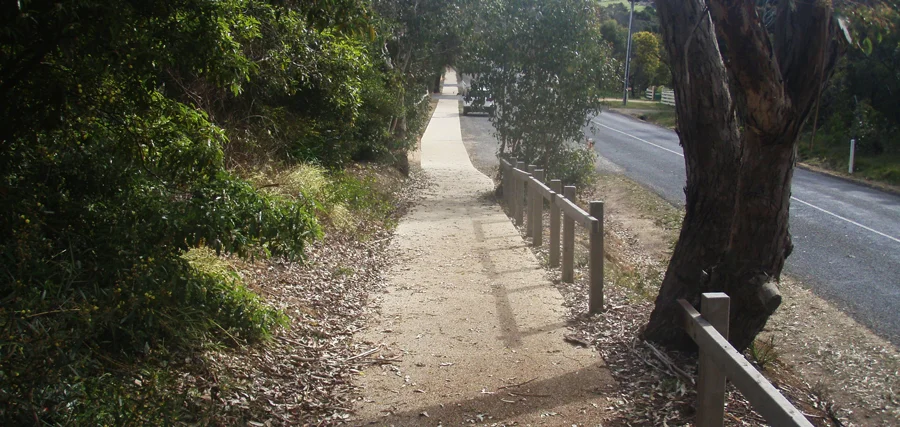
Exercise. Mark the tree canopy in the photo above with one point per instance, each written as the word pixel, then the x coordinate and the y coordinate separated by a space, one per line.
pixel 646 67
pixel 859 102
pixel 130 131
pixel 545 66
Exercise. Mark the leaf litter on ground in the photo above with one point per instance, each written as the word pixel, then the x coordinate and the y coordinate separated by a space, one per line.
pixel 304 374
pixel 656 386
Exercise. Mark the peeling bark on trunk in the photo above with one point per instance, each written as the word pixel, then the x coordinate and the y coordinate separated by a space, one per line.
pixel 736 226
pixel 760 240
pixel 709 136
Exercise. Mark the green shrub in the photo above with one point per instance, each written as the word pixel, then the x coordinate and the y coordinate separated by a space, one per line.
pixel 123 122
pixel 106 178
pixel 573 165
pixel 763 352
pixel 873 132
pixel 360 195
pixel 545 69
pixel 338 196
pixel 132 396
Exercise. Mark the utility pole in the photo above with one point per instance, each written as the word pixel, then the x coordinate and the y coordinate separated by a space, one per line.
pixel 628 55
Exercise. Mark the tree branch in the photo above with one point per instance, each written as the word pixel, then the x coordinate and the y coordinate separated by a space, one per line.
pixel 778 83
pixel 806 48
pixel 751 63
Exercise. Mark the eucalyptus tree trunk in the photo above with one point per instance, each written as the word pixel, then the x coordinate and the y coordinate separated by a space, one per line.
pixel 709 136
pixel 776 82
pixel 770 87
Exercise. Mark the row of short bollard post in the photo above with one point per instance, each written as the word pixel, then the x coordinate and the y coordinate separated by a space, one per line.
pixel 525 191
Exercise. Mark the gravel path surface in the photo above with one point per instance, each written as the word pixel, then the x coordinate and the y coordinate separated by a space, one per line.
pixel 471 326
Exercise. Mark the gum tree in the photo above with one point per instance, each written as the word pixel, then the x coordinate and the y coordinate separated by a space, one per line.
pixel 645 64
pixel 743 92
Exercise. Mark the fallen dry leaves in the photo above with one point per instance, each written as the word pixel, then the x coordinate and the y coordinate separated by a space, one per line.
pixel 656 386
pixel 304 375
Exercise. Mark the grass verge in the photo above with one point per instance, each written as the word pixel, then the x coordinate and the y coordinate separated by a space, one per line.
pixel 832 153
pixel 649 111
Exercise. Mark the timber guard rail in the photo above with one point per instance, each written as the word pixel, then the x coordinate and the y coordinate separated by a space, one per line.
pixel 525 192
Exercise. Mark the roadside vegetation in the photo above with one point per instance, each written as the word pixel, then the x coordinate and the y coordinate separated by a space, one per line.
pixel 858 102
pixel 644 109
pixel 620 4
pixel 146 148
pixel 545 68
pixel 194 197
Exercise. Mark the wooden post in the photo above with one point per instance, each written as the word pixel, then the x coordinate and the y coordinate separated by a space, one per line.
pixel 508 190
pixel 517 195
pixel 537 230
pixel 568 250
pixel 504 182
pixel 529 202
pixel 503 179
pixel 556 186
pixel 714 307
pixel 595 304
pixel 762 395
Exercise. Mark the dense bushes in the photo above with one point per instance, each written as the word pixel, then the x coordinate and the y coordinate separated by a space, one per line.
pixel 860 100
pixel 545 65
pixel 128 126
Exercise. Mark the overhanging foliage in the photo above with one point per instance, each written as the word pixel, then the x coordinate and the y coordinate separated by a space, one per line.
pixel 545 64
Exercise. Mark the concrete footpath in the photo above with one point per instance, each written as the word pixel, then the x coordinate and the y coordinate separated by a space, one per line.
pixel 472 320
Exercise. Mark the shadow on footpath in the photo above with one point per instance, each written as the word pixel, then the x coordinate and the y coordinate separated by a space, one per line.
pixel 494 407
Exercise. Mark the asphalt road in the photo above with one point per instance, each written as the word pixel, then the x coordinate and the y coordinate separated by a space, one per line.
pixel 846 236
pixel 478 137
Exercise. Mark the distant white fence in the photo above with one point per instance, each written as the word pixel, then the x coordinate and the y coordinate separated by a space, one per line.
pixel 649 93
pixel 668 97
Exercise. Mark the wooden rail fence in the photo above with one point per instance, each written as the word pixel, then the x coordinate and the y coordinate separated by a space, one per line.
pixel 719 360
pixel 525 192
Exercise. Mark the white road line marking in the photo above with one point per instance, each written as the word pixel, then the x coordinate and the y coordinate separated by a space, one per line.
pixel 845 219
pixel 792 197
pixel 642 140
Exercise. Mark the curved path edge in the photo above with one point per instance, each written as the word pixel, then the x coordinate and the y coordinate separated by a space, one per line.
pixel 473 327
